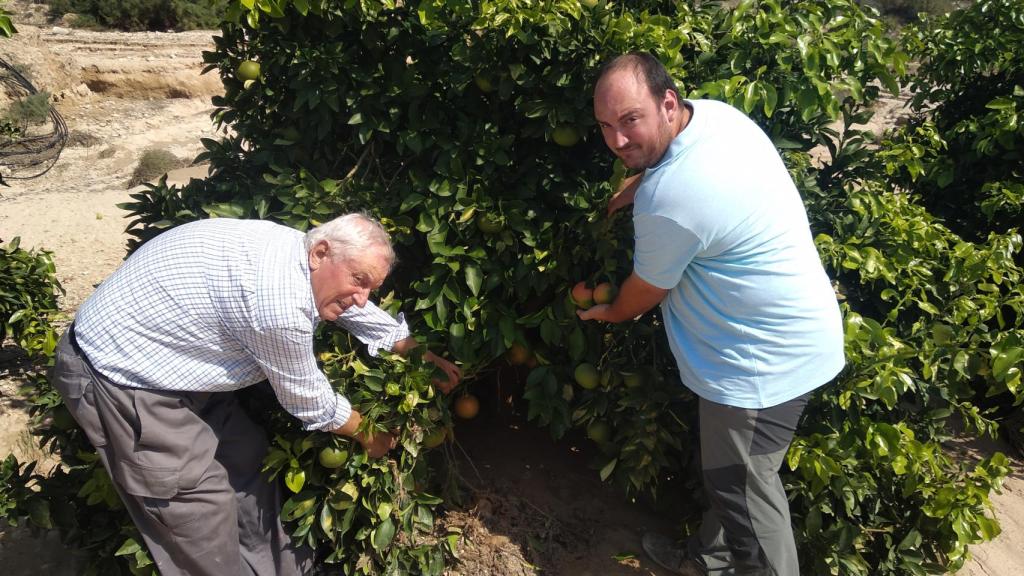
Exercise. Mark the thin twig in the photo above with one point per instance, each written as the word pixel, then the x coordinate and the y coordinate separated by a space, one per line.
pixel 359 162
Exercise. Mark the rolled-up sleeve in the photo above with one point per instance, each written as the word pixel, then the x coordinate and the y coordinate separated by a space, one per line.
pixel 286 358
pixel 374 327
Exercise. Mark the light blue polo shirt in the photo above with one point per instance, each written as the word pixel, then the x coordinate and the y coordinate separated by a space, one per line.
pixel 751 315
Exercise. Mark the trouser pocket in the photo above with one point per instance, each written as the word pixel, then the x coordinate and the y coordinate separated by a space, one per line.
pixel 73 378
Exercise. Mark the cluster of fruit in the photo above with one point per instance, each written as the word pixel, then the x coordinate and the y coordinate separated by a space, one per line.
pixel 584 296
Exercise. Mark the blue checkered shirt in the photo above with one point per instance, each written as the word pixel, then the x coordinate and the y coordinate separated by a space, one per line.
pixel 218 305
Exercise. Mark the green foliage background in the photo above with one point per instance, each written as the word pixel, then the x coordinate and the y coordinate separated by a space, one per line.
pixel 437 116
pixel 28 298
pixel 133 15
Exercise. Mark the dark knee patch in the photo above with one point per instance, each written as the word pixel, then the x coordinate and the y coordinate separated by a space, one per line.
pixel 727 489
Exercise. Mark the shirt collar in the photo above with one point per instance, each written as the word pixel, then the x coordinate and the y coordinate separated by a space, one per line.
pixel 684 139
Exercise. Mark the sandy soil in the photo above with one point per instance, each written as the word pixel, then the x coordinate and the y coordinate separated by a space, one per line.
pixel 539 508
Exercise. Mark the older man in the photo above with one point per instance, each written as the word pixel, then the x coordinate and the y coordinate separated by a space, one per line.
pixel 724 246
pixel 149 366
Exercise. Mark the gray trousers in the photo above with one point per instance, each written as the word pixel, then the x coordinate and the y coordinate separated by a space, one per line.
pixel 746 531
pixel 187 467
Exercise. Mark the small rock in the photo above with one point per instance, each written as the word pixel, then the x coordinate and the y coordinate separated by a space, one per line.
pixel 59 30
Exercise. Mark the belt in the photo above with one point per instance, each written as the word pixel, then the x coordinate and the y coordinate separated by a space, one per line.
pixel 96 374
pixel 74 341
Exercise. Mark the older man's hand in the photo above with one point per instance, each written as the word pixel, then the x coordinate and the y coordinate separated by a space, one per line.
pixel 379 444
pixel 453 372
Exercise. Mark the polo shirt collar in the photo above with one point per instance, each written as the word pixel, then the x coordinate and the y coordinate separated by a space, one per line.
pixel 684 139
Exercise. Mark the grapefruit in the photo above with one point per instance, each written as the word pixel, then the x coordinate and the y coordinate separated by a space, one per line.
pixel 587 376
pixel 489 223
pixel 604 293
pixel 467 407
pixel 582 295
pixel 435 438
pixel 248 70
pixel 484 83
pixel 632 379
pixel 518 354
pixel 599 431
pixel 565 136
pixel 331 457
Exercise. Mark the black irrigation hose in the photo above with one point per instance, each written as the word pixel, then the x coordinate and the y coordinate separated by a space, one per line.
pixel 29 152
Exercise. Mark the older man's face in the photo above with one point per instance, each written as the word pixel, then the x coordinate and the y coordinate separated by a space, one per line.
pixel 338 285
pixel 637 127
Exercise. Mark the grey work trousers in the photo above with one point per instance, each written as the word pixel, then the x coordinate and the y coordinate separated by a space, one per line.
pixel 187 467
pixel 746 530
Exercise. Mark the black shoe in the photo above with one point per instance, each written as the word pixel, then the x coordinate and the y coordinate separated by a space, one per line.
pixel 670 556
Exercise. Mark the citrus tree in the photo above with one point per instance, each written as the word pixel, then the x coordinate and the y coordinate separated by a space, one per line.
pixel 466 127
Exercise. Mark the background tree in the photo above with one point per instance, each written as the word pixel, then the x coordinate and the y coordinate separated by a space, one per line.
pixel 466 127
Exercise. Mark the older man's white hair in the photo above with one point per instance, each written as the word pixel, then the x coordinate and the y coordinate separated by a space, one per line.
pixel 352 235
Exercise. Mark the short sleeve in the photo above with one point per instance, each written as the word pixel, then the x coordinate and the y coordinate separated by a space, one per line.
pixel 663 249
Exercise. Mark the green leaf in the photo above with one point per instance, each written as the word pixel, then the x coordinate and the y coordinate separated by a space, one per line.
pixel 226 210
pixel 608 468
pixel 39 514
pixel 383 534
pixel 577 344
pixel 550 332
pixel 750 97
pixel 473 278
pixel 1005 355
pixel 770 96
pixel 6 27
pixel 1001 103
pixel 129 547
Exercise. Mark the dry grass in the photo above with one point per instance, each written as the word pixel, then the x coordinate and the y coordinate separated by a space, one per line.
pixel 153 164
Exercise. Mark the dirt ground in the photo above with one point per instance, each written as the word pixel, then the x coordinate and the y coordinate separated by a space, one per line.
pixel 539 508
